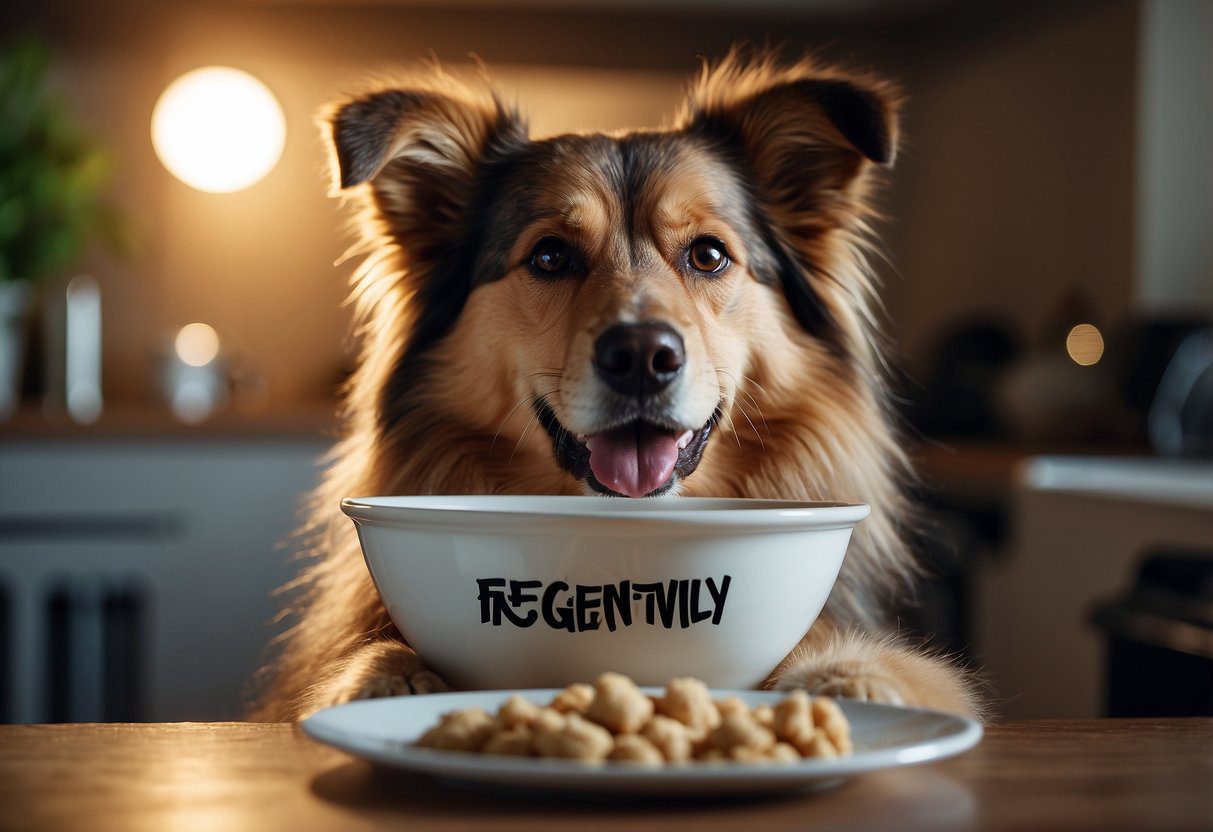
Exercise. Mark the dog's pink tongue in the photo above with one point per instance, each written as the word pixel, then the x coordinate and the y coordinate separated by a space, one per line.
pixel 633 460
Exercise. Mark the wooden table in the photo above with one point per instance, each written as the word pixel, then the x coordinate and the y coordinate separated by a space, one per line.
pixel 1131 775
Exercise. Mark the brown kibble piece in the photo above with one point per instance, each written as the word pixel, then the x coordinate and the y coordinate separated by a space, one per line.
pixel 633 748
pixel 819 746
pixel 731 705
pixel 764 716
pixel 465 730
pixel 782 752
pixel 575 698
pixel 548 720
pixel 828 717
pixel 619 705
pixel 738 729
pixel 688 701
pixel 670 737
pixel 746 754
pixel 515 742
pixel 792 720
pixel 701 740
pixel 517 711
pixel 576 738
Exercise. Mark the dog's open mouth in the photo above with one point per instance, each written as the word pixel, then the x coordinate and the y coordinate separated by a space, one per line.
pixel 638 459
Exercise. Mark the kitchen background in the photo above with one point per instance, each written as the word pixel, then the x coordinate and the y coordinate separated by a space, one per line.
pixel 1048 292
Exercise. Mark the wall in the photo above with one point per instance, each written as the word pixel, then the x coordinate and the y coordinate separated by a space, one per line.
pixel 1016 182
pixel 1175 162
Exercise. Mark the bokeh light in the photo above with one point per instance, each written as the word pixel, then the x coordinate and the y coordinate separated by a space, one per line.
pixel 218 129
pixel 197 344
pixel 1084 345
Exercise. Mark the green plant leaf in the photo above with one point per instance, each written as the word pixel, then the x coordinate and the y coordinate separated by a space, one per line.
pixel 53 175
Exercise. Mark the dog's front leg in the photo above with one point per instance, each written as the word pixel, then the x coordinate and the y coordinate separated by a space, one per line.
pixel 857 665
pixel 384 667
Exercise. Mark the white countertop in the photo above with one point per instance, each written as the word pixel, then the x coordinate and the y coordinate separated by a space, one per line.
pixel 1158 481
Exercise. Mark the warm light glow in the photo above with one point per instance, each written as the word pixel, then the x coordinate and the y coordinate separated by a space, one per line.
pixel 1085 345
pixel 197 344
pixel 218 129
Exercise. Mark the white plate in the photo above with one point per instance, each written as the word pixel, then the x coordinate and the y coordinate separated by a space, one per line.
pixel 383 730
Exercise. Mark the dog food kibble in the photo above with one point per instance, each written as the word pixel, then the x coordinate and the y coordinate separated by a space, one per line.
pixel 670 737
pixel 613 720
pixel 740 735
pixel 515 742
pixel 619 705
pixel 573 737
pixel 633 748
pixel 831 722
pixel 517 711
pixel 815 727
pixel 574 699
pixel 466 730
pixel 688 701
pixel 730 705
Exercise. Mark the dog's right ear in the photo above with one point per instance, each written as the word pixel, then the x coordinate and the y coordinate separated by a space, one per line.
pixel 417 147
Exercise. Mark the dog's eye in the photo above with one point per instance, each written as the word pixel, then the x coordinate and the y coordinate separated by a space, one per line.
pixel 707 254
pixel 550 256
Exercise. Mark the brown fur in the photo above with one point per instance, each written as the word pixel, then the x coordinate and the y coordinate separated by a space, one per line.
pixel 451 361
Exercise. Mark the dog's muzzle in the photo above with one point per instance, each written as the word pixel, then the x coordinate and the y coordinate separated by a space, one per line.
pixel 641 455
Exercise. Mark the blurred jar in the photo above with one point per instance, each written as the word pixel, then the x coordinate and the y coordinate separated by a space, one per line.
pixel 194 375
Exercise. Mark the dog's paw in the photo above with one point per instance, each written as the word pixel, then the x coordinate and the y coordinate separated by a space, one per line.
pixel 395 684
pixel 864 688
pixel 819 681
pixel 427 681
pixel 383 669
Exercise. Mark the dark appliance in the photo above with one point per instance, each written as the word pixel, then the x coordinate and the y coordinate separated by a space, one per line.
pixel 1159 659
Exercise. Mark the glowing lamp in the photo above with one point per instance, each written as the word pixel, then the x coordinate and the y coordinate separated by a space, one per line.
pixel 218 129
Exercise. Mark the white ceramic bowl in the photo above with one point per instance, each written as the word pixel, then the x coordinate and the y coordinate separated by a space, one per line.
pixel 516 592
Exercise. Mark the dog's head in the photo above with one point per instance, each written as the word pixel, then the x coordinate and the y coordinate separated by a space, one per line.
pixel 627 291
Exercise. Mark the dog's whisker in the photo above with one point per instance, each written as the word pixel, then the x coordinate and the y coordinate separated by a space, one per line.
pixel 506 418
pixel 751 380
pixel 522 437
pixel 761 444
pixel 735 402
pixel 732 426
pixel 534 420
pixel 529 397
pixel 757 407
pixel 753 402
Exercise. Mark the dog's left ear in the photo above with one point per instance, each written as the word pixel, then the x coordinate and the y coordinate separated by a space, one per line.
pixel 804 134
pixel 419 149
pixel 416 159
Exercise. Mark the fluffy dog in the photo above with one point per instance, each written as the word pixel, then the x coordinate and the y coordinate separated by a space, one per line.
pixel 684 310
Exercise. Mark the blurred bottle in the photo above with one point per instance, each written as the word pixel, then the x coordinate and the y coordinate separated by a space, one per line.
pixel 14 303
pixel 73 351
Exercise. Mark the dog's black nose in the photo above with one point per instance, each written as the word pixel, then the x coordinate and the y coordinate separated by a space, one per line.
pixel 638 359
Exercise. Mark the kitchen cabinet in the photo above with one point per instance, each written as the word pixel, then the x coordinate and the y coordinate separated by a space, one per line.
pixel 1081 527
pixel 137 572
